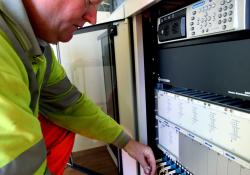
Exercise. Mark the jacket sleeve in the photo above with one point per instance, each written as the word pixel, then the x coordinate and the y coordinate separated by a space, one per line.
pixel 64 105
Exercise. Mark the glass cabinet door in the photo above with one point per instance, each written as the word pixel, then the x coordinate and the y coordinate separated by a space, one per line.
pixel 89 62
pixel 98 60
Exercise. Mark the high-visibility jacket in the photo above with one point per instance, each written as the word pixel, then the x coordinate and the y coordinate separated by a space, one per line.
pixel 23 94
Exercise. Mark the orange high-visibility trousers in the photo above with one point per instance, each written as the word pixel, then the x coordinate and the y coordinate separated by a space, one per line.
pixel 59 143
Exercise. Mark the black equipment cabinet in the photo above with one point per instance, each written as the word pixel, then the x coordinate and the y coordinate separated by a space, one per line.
pixel 216 65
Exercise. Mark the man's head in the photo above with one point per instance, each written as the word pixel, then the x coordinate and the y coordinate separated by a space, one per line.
pixel 56 20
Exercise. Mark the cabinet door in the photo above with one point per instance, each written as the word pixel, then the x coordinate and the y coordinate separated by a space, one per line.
pixel 98 61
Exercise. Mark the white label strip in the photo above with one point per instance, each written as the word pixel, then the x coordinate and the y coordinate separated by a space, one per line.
pixel 222 126
pixel 202 141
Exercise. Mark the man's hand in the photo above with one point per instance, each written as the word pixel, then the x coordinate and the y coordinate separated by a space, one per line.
pixel 143 154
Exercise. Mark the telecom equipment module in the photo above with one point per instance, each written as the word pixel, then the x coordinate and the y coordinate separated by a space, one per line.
pixel 206 17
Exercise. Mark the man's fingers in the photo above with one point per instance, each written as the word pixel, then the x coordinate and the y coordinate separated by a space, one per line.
pixel 144 164
pixel 149 156
pixel 147 169
pixel 143 154
pixel 151 162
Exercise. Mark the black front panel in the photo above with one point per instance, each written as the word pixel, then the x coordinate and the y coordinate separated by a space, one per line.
pixel 172 26
pixel 222 68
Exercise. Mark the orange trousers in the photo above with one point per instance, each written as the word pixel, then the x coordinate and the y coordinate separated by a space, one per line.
pixel 59 143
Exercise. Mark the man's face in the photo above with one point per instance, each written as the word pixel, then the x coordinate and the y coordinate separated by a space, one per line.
pixel 59 19
pixel 72 15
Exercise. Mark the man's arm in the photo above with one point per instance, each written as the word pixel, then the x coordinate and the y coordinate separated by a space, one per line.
pixel 86 118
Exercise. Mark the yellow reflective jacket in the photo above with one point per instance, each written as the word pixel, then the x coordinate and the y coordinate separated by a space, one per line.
pixel 22 149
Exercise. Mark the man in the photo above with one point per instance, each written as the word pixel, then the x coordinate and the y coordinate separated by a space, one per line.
pixel 32 84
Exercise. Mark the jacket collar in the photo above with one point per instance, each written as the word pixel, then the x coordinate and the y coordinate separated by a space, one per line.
pixel 16 14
